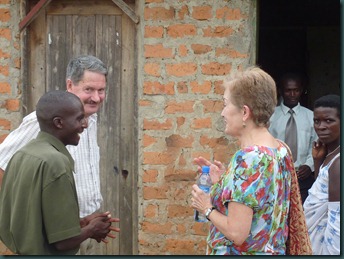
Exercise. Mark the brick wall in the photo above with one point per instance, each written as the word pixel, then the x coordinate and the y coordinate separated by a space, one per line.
pixel 9 73
pixel 9 67
pixel 188 48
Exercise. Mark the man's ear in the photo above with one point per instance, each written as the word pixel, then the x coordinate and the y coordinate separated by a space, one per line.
pixel 69 85
pixel 58 122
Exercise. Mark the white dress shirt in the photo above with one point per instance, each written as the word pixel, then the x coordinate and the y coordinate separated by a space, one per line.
pixel 86 157
pixel 306 134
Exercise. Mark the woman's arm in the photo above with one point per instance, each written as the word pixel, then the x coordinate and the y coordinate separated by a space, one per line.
pixel 237 225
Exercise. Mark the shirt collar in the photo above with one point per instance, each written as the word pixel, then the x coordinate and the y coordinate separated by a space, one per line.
pixel 56 143
pixel 285 109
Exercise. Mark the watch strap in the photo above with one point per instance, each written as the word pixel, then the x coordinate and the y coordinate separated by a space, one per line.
pixel 207 213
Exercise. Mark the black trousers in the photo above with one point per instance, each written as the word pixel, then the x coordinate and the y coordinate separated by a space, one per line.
pixel 305 185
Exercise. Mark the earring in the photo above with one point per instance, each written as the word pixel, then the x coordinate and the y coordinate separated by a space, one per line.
pixel 243 124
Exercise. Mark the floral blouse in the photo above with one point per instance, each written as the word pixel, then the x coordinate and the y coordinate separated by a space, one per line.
pixel 260 178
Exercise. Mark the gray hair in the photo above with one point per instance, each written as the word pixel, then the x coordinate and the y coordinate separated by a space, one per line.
pixel 77 67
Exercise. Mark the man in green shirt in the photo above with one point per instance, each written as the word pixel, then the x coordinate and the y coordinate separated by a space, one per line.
pixel 39 212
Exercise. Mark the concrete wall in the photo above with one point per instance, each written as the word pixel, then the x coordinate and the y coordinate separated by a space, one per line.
pixel 185 49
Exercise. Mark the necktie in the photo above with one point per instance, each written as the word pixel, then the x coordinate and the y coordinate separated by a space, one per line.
pixel 291 134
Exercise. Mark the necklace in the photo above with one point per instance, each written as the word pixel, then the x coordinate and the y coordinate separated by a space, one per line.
pixel 333 151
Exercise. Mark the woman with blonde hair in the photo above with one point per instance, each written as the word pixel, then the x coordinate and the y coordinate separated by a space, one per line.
pixel 249 202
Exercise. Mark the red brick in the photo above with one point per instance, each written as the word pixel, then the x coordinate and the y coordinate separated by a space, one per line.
pixel 218 87
pixel 151 211
pixel 180 121
pixel 5 33
pixel 157 228
pixel 4 54
pixel 202 12
pixel 213 142
pixel 183 12
pixel 154 193
pixel 181 30
pixel 154 1
pixel 2 138
pixel 178 141
pixel 182 69
pixel 212 106
pixel 158 14
pixel 200 48
pixel 150 176
pixel 180 247
pixel 5 15
pixel 5 88
pixel 203 88
pixel 156 125
pixel 5 124
pixel 154 31
pixel 153 88
pixel 182 87
pixel 157 51
pixel 182 107
pixel 152 69
pixel 219 31
pixel 4 70
pixel 158 158
pixel 12 104
pixel 201 229
pixel 230 53
pixel 201 123
pixel 148 140
pixel 183 51
pixel 173 174
pixel 229 14
pixel 177 211
pixel 217 69
pixel 145 103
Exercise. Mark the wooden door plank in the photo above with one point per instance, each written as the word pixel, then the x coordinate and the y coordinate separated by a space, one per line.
pixel 34 12
pixel 129 205
pixel 36 80
pixel 127 10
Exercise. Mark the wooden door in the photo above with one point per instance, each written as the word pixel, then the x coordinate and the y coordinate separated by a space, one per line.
pixel 68 28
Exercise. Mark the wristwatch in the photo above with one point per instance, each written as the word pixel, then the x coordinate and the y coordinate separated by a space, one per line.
pixel 208 211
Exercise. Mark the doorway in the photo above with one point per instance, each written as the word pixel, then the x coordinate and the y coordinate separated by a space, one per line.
pixel 68 28
pixel 301 36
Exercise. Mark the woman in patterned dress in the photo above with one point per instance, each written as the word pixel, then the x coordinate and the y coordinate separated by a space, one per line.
pixel 249 202
pixel 322 206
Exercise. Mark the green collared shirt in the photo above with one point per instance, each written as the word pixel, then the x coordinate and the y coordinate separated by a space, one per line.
pixel 38 199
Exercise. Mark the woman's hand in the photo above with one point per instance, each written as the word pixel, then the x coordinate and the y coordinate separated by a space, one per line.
pixel 216 168
pixel 319 150
pixel 200 200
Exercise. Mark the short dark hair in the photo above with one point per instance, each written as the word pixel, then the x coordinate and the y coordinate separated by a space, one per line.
pixel 328 101
pixel 291 76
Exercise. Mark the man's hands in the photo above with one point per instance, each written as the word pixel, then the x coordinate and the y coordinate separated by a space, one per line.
pixel 100 226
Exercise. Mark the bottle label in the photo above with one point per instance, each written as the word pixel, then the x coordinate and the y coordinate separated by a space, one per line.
pixel 206 189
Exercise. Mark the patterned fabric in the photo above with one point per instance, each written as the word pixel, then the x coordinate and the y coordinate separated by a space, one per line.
pixel 258 177
pixel 322 216
pixel 298 242
pixel 85 155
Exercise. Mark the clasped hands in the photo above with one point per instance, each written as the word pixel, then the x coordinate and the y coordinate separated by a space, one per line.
pixel 101 225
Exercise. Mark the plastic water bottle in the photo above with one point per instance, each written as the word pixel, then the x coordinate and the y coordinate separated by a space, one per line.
pixel 204 183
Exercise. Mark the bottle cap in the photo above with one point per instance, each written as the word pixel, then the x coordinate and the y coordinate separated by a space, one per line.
pixel 205 169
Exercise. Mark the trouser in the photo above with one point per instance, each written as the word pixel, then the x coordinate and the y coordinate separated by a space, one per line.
pixel 305 185
pixel 88 247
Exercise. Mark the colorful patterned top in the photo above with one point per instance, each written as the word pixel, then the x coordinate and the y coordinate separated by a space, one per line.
pixel 260 178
